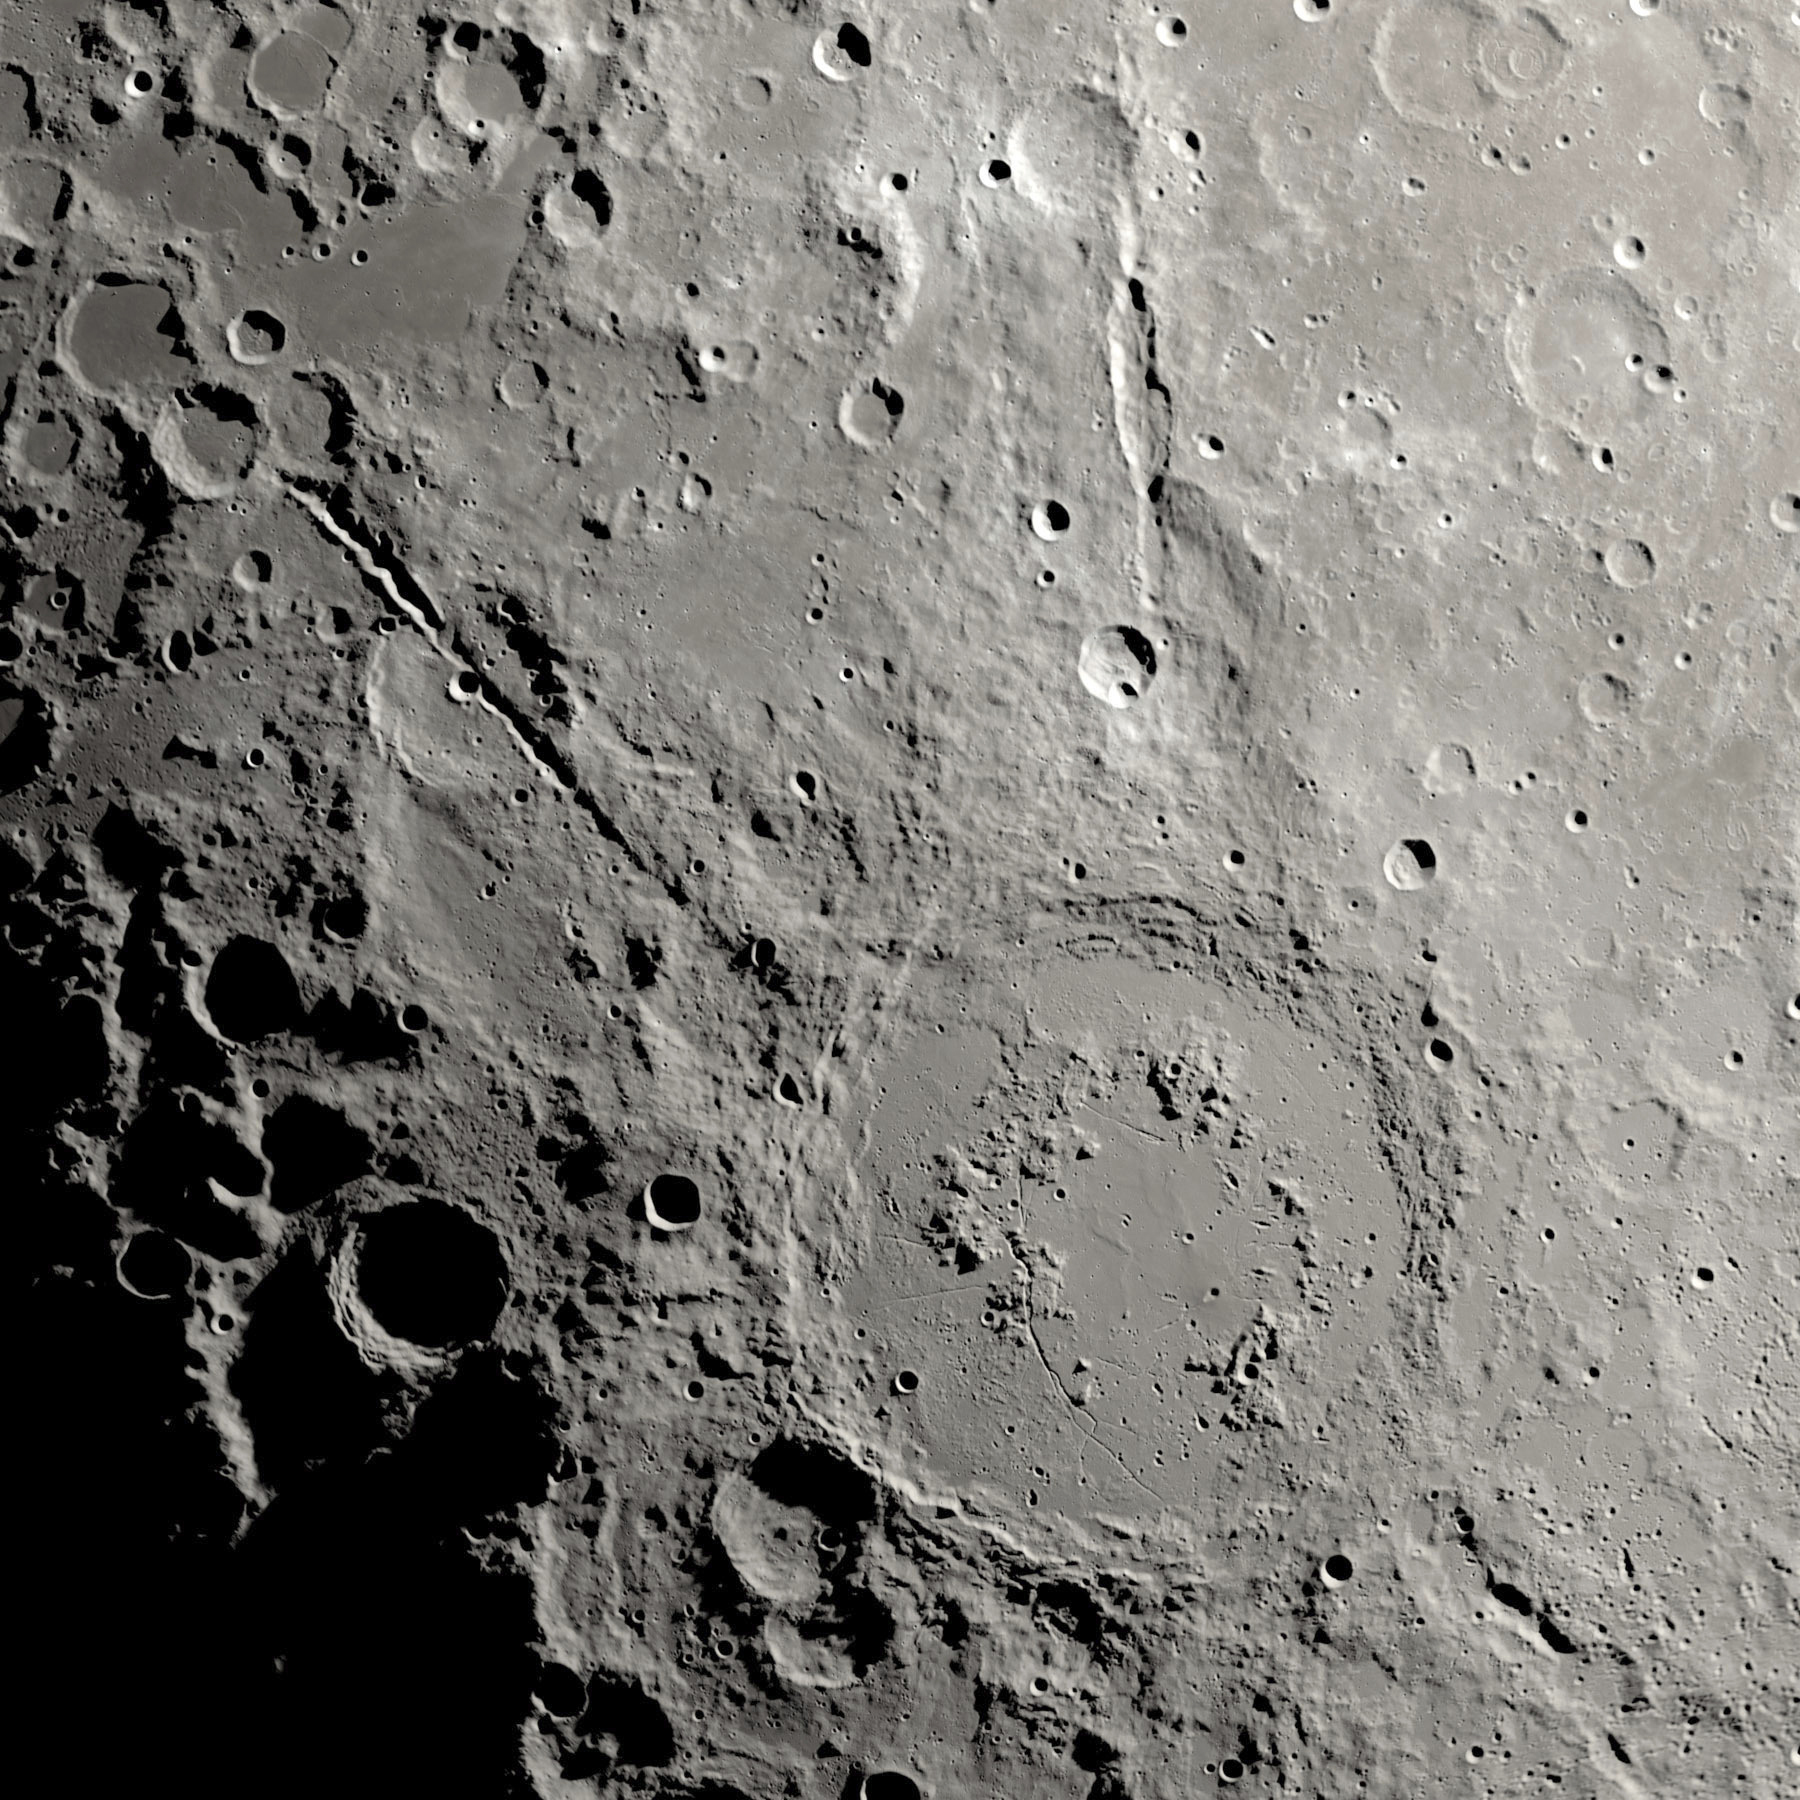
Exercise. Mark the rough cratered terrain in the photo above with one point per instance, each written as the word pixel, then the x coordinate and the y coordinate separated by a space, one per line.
pixel 901 902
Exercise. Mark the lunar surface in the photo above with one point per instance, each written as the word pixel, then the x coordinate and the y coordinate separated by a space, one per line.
pixel 899 902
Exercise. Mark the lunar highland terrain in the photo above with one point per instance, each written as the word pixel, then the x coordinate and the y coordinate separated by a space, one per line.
pixel 899 902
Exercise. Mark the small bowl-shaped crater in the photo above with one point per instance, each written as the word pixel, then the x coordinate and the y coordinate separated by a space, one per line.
pixel 1050 520
pixel 430 1273
pixel 890 1784
pixel 735 360
pixel 251 992
pixel 1629 563
pixel 252 570
pixel 154 1266
pixel 1336 1569
pixel 1410 865
pixel 256 337
pixel 1117 665
pixel 870 415
pixel 842 53
pixel 672 1202
pixel 345 917
pixel 1605 699
pixel 560 1691
pixel 523 384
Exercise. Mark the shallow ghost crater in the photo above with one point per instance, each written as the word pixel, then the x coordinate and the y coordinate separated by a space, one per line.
pixel 901 903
